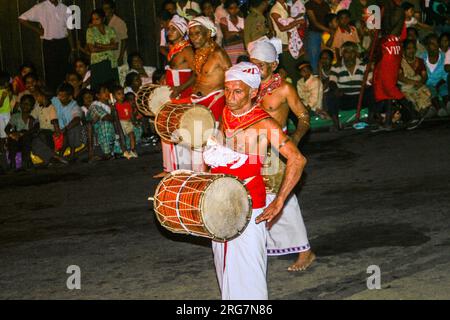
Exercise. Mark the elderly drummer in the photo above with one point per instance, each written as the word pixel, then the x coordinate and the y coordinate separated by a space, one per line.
pixel 241 263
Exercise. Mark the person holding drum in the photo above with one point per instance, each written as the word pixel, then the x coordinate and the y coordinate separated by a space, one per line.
pixel 288 234
pixel 241 263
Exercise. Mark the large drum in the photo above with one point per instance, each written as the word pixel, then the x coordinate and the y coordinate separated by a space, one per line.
pixel 150 98
pixel 273 172
pixel 214 206
pixel 189 124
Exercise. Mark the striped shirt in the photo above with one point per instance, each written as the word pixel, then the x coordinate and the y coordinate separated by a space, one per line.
pixel 350 84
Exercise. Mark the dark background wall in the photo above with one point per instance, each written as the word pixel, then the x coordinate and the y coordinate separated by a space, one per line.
pixel 18 44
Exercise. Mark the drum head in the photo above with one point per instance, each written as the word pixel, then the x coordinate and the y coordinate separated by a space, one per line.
pixel 196 126
pixel 226 208
pixel 159 97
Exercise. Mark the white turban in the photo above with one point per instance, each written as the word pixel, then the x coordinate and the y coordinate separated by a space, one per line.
pixel 179 23
pixel 265 49
pixel 204 22
pixel 246 72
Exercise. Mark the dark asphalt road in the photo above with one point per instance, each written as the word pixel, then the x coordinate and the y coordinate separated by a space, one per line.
pixel 367 199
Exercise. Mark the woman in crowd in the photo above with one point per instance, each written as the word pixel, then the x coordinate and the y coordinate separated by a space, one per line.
pixel 18 83
pixel 413 76
pixel 232 27
pixel 136 64
pixel 102 43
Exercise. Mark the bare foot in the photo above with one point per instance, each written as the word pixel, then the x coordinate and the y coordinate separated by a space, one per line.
pixel 305 259
pixel 160 175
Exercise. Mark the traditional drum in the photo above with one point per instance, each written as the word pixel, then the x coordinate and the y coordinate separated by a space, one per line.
pixel 215 206
pixel 189 124
pixel 273 172
pixel 150 98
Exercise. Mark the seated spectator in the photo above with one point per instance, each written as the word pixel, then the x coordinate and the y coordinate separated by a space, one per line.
pixel 325 64
pixel 125 114
pixel 170 6
pixel 19 134
pixel 136 64
pixel 412 78
pixel 76 81
pixel 133 82
pixel 346 80
pixel 413 34
pixel 18 84
pixel 310 90
pixel 437 76
pixel 69 118
pixel 82 68
pixel 32 85
pixel 444 39
pixel 102 122
pixel 45 125
pixel 85 100
pixel 345 32
pixel 208 11
pixel 6 97
pixel 328 37
pixel 232 27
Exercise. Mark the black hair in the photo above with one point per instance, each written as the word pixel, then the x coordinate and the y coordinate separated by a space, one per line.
pixel 349 45
pixel 166 2
pixel 134 55
pixel 99 12
pixel 5 78
pixel 343 12
pixel 28 97
pixel 82 61
pixel 205 2
pixel 413 29
pixel 101 88
pixel 305 64
pixel 158 75
pixel 408 42
pixel 31 75
pixel 166 15
pixel 116 88
pixel 73 72
pixel 228 3
pixel 130 78
pixel 27 65
pixel 407 5
pixel 329 17
pixel 429 37
pixel 66 88
pixel 84 92
pixel 329 52
pixel 443 35
pixel 243 58
pixel 111 3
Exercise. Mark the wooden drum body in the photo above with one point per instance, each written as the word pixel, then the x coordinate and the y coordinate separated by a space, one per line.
pixel 214 206
pixel 150 98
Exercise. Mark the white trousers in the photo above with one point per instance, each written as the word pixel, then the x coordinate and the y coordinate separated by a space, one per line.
pixel 241 264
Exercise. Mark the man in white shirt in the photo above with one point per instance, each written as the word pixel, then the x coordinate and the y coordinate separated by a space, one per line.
pixel 57 43
pixel 121 29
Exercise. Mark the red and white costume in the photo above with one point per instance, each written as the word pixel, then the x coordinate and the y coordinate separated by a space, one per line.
pixel 241 264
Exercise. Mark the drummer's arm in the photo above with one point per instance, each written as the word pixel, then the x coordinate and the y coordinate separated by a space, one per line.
pixel 298 108
pixel 296 162
pixel 188 55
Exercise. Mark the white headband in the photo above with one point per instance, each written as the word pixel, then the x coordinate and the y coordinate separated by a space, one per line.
pixel 265 49
pixel 204 22
pixel 246 72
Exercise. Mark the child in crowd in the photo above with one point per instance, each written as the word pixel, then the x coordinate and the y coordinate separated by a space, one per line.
pixel 5 107
pixel 100 114
pixel 85 100
pixel 125 114
pixel 345 32
pixel 411 20
pixel 82 68
pixel 32 85
pixel 328 37
pixel 76 81
pixel 18 131
pixel 18 84
pixel 310 90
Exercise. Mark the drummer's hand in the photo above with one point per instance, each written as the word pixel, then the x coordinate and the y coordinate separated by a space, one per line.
pixel 270 213
pixel 175 93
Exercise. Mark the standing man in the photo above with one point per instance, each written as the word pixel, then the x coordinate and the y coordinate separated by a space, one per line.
pixel 241 264
pixel 256 24
pixel 211 62
pixel 180 77
pixel 288 234
pixel 120 27
pixel 57 43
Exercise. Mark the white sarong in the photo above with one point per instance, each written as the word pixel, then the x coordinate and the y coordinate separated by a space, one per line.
pixel 288 234
pixel 241 264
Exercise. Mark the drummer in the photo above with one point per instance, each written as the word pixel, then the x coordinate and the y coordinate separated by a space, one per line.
pixel 241 263
pixel 287 235
pixel 180 77
pixel 211 62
